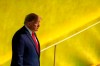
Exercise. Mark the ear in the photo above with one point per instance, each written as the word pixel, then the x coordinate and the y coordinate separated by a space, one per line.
pixel 29 24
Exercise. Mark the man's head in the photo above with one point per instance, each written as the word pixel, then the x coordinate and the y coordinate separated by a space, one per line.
pixel 32 21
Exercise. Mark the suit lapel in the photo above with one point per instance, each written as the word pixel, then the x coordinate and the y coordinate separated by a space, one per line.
pixel 29 36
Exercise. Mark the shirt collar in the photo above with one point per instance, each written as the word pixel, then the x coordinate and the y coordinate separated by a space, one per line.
pixel 28 30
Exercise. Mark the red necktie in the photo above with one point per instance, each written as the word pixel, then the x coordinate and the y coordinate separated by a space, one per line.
pixel 35 40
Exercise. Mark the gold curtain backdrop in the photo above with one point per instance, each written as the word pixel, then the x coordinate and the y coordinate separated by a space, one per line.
pixel 59 19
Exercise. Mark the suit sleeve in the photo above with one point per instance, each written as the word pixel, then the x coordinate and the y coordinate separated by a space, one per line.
pixel 17 51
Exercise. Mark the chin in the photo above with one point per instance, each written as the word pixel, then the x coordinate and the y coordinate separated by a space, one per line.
pixel 36 30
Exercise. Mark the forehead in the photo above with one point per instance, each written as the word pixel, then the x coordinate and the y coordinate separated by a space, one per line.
pixel 39 18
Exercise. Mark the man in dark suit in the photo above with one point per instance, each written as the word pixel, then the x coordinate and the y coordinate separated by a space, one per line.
pixel 25 45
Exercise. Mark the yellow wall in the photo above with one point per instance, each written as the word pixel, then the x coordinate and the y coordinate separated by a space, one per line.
pixel 59 18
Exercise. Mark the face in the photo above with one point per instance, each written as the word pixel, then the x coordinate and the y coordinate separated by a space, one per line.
pixel 35 25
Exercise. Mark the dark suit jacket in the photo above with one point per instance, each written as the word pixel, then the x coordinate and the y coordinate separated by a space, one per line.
pixel 24 50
